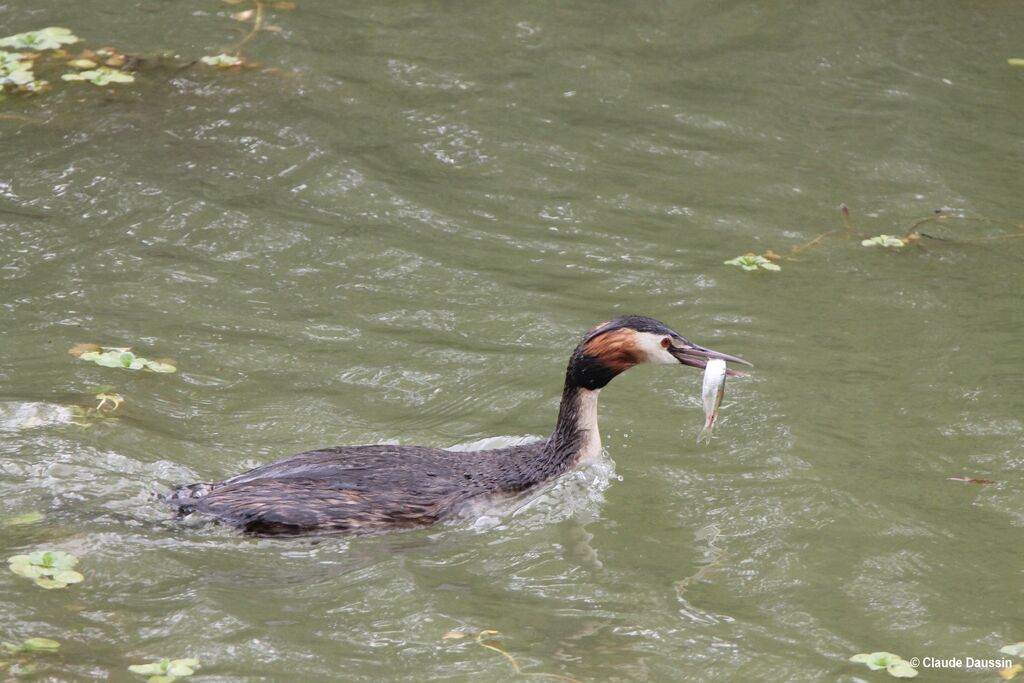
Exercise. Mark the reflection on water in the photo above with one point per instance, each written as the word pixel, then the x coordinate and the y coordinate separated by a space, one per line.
pixel 379 235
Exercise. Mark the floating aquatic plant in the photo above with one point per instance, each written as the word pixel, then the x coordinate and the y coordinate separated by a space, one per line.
pixel 101 76
pixel 895 665
pixel 1015 650
pixel 15 70
pixel 82 64
pixel 107 405
pixel 86 416
pixel 49 568
pixel 32 645
pixel 50 38
pixel 119 357
pixel 21 655
pixel 883 241
pixel 1015 61
pixel 166 670
pixel 222 60
pixel 753 262
pixel 115 401
pixel 24 519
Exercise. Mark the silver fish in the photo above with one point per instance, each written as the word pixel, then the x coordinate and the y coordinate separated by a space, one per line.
pixel 711 394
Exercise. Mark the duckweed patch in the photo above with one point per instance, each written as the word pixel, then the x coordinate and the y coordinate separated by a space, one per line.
pixel 48 568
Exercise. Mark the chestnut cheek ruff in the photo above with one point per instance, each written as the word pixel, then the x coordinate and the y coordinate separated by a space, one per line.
pixel 596 362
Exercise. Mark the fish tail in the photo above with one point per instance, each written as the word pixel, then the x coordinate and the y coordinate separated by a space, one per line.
pixel 705 432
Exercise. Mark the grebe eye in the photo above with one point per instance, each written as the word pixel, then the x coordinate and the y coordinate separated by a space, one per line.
pixel 665 342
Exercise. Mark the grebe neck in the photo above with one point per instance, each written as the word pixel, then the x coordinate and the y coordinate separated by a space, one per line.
pixel 575 438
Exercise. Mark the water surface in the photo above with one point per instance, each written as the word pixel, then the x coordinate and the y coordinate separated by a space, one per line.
pixel 395 228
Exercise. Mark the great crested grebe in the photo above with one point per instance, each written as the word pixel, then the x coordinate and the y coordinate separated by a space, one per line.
pixel 360 489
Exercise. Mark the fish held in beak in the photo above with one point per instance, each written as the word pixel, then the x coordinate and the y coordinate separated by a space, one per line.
pixel 712 391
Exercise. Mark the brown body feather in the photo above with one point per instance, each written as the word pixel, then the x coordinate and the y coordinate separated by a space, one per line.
pixel 361 489
pixel 372 488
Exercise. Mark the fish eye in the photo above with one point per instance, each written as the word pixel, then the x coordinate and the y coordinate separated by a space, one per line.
pixel 665 342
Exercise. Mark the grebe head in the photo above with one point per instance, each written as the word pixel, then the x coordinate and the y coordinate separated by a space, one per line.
pixel 617 345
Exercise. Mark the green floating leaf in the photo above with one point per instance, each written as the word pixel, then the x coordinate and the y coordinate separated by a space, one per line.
pixel 183 667
pixel 895 665
pixel 48 568
pixel 1015 650
pixel 159 366
pixel 118 357
pixel 874 660
pixel 68 576
pixel 25 519
pixel 222 60
pixel 753 262
pixel 883 241
pixel 148 669
pixel 32 645
pixel 18 78
pixel 22 567
pixel 15 71
pixel 56 559
pixel 901 669
pixel 49 38
pixel 1015 61
pixel 100 76
pixel 10 59
pixel 39 645
pixel 166 670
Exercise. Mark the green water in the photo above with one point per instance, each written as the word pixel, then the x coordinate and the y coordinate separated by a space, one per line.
pixel 395 228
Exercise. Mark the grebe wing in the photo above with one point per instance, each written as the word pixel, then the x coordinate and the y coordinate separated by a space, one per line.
pixel 353 464
pixel 294 505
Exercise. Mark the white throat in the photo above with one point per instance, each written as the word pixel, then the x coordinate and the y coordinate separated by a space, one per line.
pixel 586 422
